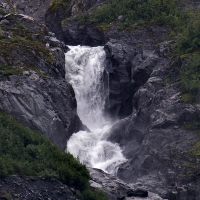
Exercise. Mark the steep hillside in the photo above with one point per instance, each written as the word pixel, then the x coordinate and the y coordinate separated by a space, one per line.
pixel 32 79
pixel 152 63
pixel 33 90
pixel 152 59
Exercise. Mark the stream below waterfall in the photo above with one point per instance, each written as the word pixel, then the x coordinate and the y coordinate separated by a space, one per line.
pixel 84 70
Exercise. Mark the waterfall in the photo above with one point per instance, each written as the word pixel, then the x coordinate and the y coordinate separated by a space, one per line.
pixel 84 70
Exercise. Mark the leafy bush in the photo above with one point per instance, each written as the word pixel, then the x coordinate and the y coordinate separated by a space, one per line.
pixel 193 125
pixel 91 195
pixel 2 12
pixel 190 76
pixel 28 153
pixel 196 149
pixel 56 3
pixel 21 41
pixel 188 39
pixel 161 11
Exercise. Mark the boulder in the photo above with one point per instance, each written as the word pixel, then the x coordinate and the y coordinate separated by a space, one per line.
pixel 63 21
pixel 75 33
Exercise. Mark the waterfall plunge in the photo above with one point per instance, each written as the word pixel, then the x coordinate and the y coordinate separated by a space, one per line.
pixel 84 70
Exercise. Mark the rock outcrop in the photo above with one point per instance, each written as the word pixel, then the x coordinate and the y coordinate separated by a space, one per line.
pixel 62 20
pixel 144 82
pixel 13 187
pixel 131 58
pixel 32 83
pixel 154 140
pixel 143 87
pixel 36 8
pixel 46 105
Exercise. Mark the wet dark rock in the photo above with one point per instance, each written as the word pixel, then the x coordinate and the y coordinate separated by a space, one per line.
pixel 67 28
pixel 130 63
pixel 154 148
pixel 75 33
pixel 26 188
pixel 46 105
pixel 137 193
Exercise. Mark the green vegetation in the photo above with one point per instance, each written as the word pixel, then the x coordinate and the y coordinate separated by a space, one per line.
pixel 7 195
pixel 187 47
pixel 183 22
pixel 21 41
pixel 58 3
pixel 196 149
pixel 27 153
pixel 190 78
pixel 192 126
pixel 188 31
pixel 137 11
pixel 2 11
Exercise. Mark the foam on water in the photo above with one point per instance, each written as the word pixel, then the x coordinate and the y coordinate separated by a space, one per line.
pixel 84 70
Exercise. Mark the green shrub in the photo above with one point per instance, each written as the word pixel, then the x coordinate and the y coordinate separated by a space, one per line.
pixel 91 195
pixel 1 34
pixel 188 39
pixel 28 153
pixel 190 76
pixel 195 150
pixel 193 125
pixel 137 11
pixel 56 3
pixel 2 12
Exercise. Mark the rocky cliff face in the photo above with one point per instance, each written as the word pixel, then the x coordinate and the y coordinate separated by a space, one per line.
pixel 13 187
pixel 144 82
pixel 152 137
pixel 59 19
pixel 32 81
pixel 143 85
pixel 144 90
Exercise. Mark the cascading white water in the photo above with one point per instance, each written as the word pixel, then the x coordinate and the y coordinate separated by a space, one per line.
pixel 84 70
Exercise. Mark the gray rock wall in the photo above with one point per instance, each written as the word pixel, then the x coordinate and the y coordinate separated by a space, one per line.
pixel 34 89
pixel 61 21
pixel 153 140
pixel 13 187
pixel 36 8
pixel 46 105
